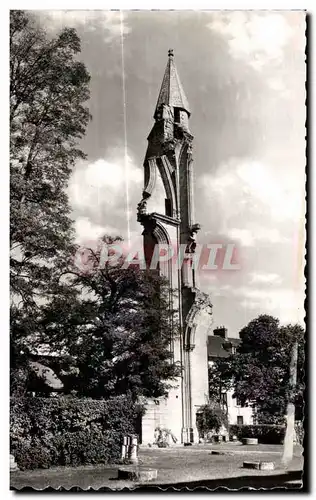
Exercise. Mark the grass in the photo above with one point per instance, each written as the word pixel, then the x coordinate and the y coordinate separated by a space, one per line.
pixel 191 465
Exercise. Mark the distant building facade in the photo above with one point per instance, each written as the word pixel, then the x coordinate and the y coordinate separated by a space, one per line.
pixel 221 346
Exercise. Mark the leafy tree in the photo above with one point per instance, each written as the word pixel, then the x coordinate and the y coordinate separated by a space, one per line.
pixel 259 371
pixel 48 116
pixel 211 418
pixel 117 326
pixel 219 381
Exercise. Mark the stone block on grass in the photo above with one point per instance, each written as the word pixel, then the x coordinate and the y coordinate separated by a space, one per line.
pixel 259 465
pixel 251 465
pixel 266 465
pixel 250 441
pixel 137 474
pixel 13 464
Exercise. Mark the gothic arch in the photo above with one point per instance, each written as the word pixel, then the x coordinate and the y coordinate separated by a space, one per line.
pixel 161 234
pixel 162 237
pixel 150 177
pixel 185 150
pixel 165 170
pixel 201 302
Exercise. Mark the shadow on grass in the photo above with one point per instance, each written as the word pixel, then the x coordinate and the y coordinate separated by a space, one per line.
pixel 272 481
pixel 279 481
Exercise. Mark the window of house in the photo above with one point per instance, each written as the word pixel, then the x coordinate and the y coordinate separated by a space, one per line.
pixel 224 398
pixel 238 402
pixel 233 350
pixel 240 420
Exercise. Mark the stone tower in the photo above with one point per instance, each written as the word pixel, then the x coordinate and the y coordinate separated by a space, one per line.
pixel 168 160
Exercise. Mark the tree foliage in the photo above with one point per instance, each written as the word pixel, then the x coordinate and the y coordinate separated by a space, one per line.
pixel 219 380
pixel 117 325
pixel 259 371
pixel 48 116
pixel 211 418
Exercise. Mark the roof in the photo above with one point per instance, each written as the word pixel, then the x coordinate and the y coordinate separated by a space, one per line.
pixel 171 92
pixel 52 370
pixel 218 347
pixel 47 375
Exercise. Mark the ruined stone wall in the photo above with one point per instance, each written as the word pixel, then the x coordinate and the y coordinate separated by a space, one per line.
pixel 199 365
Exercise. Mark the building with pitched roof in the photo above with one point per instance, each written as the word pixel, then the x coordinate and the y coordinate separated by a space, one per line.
pixel 219 345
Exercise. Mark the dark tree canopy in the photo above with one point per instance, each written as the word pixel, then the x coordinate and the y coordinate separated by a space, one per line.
pixel 117 326
pixel 111 327
pixel 48 116
pixel 259 371
pixel 219 382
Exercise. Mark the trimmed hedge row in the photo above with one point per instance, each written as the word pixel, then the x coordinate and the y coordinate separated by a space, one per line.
pixel 266 434
pixel 46 432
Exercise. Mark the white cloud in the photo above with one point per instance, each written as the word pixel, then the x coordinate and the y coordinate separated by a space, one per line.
pixel 263 297
pixel 279 86
pixel 286 304
pixel 258 203
pixel 111 22
pixel 220 290
pixel 88 231
pixel 265 278
pixel 283 196
pixel 209 278
pixel 249 238
pixel 245 236
pixel 243 187
pixel 104 191
pixel 259 38
pixel 103 182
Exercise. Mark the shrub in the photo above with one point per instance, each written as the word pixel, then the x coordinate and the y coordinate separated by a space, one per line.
pixel 29 456
pixel 210 418
pixel 163 437
pixel 49 432
pixel 266 433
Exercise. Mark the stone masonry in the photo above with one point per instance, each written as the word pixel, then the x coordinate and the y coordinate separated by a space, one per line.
pixel 169 156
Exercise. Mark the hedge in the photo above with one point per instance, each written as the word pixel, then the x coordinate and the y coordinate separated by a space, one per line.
pixel 46 432
pixel 266 433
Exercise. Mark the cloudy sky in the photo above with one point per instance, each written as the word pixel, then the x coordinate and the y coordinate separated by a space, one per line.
pixel 244 76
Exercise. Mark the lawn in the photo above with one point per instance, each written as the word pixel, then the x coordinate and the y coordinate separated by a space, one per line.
pixel 195 466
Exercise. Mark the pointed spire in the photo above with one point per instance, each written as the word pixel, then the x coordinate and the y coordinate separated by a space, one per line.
pixel 171 92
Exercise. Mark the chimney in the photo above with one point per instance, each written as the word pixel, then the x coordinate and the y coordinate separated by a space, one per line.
pixel 221 331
